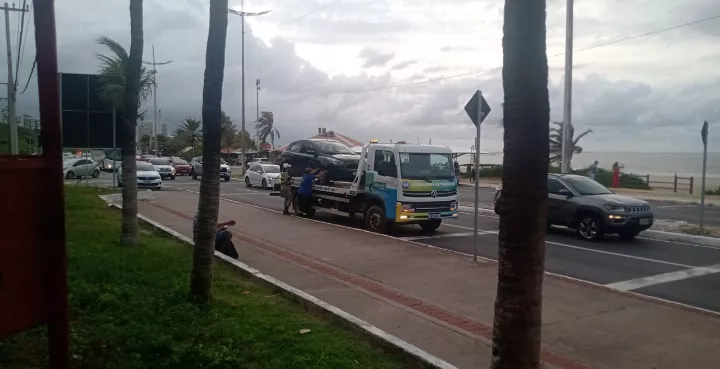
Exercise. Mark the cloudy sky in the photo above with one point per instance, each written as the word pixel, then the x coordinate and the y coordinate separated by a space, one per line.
pixel 403 69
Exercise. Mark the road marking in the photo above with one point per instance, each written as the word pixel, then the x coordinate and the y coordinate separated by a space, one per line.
pixel 675 206
pixel 653 280
pixel 483 231
pixel 618 254
pixel 444 235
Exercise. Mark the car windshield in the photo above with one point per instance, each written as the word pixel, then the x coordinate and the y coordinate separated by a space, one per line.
pixel 426 166
pixel 159 161
pixel 586 186
pixel 143 166
pixel 180 162
pixel 332 148
pixel 271 168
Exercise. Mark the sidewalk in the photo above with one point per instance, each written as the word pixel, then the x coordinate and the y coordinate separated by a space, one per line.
pixel 648 195
pixel 442 302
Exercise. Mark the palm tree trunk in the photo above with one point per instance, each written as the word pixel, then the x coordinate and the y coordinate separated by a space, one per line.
pixel 209 202
pixel 129 227
pixel 523 209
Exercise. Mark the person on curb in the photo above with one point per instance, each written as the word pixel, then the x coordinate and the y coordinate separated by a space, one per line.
pixel 304 192
pixel 592 170
pixel 286 188
pixel 223 237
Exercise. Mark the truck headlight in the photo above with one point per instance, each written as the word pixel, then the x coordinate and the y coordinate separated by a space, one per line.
pixel 453 206
pixel 408 208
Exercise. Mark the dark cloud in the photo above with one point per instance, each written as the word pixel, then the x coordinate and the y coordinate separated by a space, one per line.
pixel 374 57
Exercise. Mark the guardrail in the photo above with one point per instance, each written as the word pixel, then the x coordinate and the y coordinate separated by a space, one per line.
pixel 683 182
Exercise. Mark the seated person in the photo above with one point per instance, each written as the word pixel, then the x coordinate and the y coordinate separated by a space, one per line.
pixel 223 237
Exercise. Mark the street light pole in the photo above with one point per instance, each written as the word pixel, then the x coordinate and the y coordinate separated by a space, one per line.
pixel 155 110
pixel 242 13
pixel 567 108
pixel 257 110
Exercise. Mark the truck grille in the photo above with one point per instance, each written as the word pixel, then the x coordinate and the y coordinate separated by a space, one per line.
pixel 638 209
pixel 223 169
pixel 429 193
pixel 432 207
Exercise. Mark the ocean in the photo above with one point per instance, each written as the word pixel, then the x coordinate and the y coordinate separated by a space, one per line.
pixel 654 164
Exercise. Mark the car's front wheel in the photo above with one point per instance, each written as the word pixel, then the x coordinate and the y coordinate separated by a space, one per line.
pixel 70 175
pixel 96 173
pixel 264 183
pixel 590 227
pixel 247 182
pixel 193 175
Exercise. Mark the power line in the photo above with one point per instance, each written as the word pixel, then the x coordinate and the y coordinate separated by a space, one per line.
pixel 312 12
pixel 500 67
pixel 32 69
pixel 21 36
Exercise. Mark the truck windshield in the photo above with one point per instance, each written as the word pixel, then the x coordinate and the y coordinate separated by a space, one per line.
pixel 426 166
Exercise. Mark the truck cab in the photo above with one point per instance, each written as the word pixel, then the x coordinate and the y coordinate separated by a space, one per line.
pixel 396 184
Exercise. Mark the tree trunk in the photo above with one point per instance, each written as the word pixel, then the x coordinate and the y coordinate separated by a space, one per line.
pixel 129 227
pixel 209 202
pixel 523 208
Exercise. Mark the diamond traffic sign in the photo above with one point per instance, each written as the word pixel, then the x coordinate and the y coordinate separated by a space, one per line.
pixel 471 108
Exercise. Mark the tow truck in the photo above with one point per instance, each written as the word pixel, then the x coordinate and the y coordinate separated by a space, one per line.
pixel 421 190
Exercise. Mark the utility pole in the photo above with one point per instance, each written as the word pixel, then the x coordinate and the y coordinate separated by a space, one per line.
pixel 242 13
pixel 14 145
pixel 257 112
pixel 567 108
pixel 155 120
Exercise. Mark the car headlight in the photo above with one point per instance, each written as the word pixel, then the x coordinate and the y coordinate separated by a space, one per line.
pixel 612 207
pixel 408 208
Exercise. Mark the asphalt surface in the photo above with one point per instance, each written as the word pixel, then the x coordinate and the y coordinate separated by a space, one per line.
pixel 679 272
pixel 663 210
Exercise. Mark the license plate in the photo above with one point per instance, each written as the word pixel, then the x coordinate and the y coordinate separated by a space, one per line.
pixel 147 181
pixel 434 216
pixel 644 221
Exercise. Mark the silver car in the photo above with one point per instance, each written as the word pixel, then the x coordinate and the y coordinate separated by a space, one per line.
pixel 591 209
pixel 80 167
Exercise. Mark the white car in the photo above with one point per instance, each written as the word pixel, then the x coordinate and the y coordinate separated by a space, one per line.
pixel 147 176
pixel 196 171
pixel 263 175
pixel 164 167
pixel 80 167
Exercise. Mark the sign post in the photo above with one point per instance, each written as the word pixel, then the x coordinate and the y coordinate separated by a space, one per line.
pixel 477 109
pixel 704 135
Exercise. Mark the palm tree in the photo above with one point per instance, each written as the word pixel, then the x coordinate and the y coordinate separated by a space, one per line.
pixel 228 131
pixel 523 208
pixel 265 126
pixel 209 199
pixel 123 83
pixel 189 133
pixel 113 69
pixel 556 134
pixel 145 143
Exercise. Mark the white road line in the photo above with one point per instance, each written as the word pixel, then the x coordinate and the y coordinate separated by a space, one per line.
pixel 242 193
pixel 480 231
pixel 618 254
pixel 445 235
pixel 653 280
pixel 675 206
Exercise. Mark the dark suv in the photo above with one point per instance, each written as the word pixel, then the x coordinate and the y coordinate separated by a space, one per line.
pixel 591 209
pixel 340 162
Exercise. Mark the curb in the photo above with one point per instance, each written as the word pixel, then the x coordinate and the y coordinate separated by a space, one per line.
pixel 649 234
pixel 412 354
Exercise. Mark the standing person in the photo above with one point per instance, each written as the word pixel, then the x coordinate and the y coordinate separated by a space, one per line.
pixel 457 171
pixel 304 192
pixel 592 170
pixel 616 174
pixel 472 174
pixel 286 188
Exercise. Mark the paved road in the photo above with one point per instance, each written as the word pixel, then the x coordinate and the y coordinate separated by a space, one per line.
pixel 663 210
pixel 678 272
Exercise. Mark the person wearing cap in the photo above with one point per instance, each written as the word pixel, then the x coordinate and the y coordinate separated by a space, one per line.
pixel 286 188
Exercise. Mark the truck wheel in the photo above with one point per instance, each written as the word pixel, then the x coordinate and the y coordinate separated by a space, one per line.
pixel 375 219
pixel 431 225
